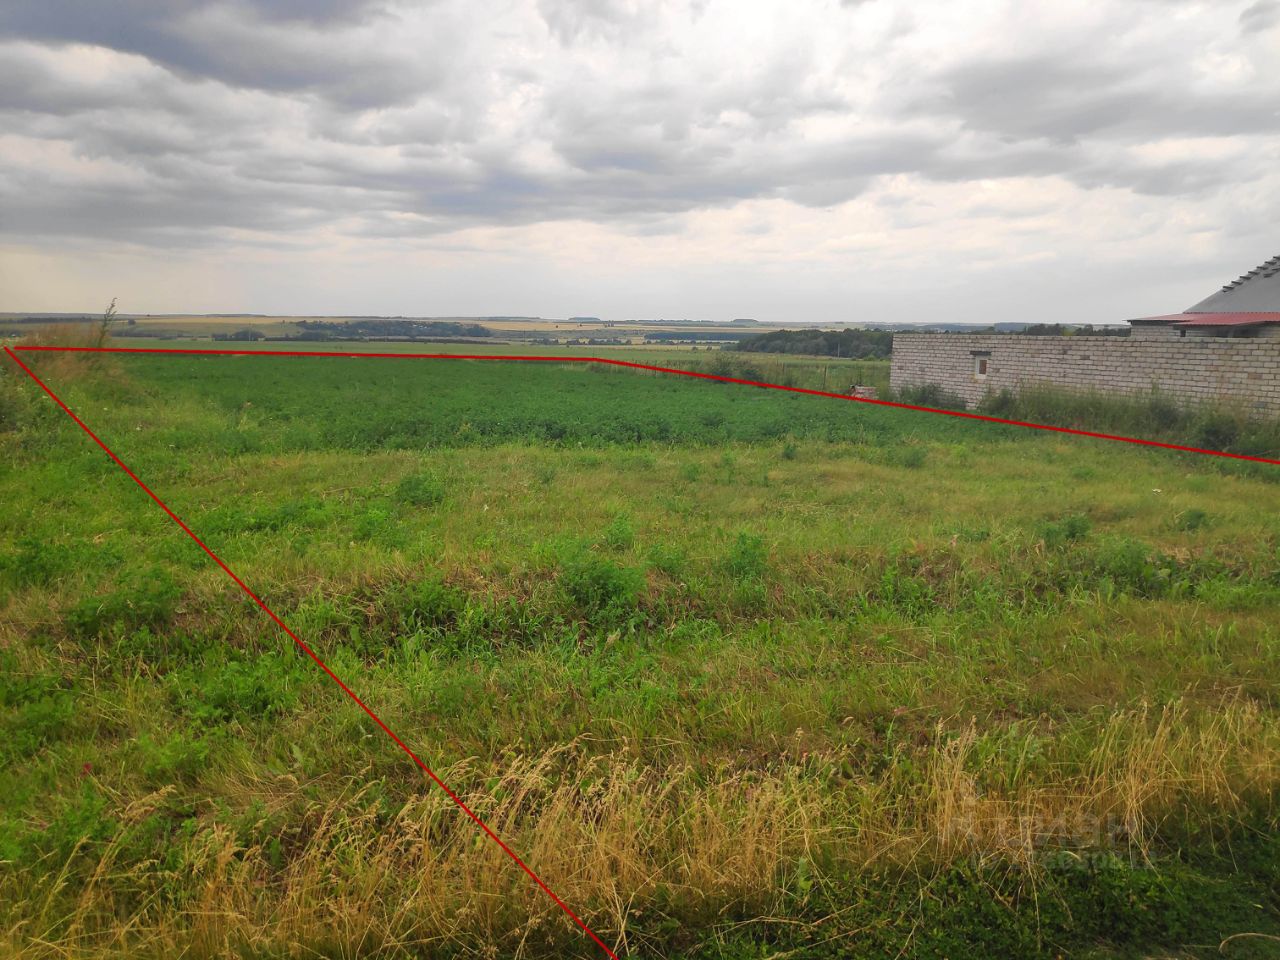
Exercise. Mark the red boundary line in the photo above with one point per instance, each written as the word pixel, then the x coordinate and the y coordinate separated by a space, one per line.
pixel 963 414
pixel 310 653
pixel 454 356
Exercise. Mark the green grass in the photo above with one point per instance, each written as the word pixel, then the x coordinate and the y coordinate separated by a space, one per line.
pixel 820 373
pixel 310 404
pixel 739 672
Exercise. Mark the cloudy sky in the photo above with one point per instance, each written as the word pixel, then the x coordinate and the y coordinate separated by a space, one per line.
pixel 790 160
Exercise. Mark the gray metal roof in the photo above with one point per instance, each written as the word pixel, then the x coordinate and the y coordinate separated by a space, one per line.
pixel 1258 291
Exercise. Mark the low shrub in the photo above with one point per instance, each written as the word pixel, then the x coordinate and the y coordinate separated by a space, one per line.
pixel 162 649
pixel 429 605
pixel 747 557
pixel 378 525
pixel 1056 534
pixel 180 757
pixel 147 598
pixel 38 722
pixel 1130 566
pixel 911 457
pixel 929 395
pixel 423 490
pixel 902 588
pixel 620 534
pixel 668 559
pixel 1190 520
pixel 36 562
pixel 84 819
pixel 600 588
pixel 240 689
pixel 1216 430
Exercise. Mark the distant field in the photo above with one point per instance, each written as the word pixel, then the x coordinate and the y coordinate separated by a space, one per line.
pixel 819 373
pixel 173 325
pixel 743 674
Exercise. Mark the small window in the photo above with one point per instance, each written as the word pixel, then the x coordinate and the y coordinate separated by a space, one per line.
pixel 980 368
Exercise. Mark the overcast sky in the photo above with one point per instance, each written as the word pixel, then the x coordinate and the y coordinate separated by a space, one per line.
pixel 797 160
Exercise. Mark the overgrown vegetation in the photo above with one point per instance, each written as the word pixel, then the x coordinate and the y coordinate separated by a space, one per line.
pixel 931 395
pixel 1153 416
pixel 739 673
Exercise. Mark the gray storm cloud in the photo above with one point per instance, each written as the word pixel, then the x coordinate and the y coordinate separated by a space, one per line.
pixel 202 125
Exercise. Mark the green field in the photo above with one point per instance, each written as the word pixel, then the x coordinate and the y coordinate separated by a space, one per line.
pixel 740 673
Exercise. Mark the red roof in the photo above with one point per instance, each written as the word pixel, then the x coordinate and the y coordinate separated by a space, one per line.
pixel 1213 319
pixel 1166 318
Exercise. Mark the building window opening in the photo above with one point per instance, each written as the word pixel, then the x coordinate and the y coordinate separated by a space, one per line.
pixel 980 365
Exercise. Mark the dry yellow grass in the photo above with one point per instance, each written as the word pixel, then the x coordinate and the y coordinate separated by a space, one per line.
pixel 71 366
pixel 623 841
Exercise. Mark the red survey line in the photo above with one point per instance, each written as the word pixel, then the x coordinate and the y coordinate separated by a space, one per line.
pixel 963 414
pixel 310 653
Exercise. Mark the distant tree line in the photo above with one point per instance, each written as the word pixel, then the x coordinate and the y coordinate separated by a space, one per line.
pixel 854 344
pixel 246 334
pixel 691 336
pixel 394 329
pixel 1071 330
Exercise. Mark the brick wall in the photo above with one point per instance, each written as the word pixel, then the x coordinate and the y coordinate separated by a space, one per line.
pixel 1192 369
pixel 1153 331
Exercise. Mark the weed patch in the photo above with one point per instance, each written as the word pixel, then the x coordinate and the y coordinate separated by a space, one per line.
pixel 600 589
pixel 747 557
pixel 238 690
pixel 1056 534
pixel 620 534
pixel 422 490
pixel 147 598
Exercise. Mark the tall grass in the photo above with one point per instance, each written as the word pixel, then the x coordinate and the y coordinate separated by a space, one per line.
pixel 1221 426
pixel 643 851
pixel 71 366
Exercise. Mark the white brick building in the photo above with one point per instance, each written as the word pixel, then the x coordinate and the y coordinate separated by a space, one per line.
pixel 1225 348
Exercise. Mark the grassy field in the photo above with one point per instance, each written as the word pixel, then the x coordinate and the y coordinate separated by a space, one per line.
pixel 741 674
pixel 835 374
pixel 818 373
